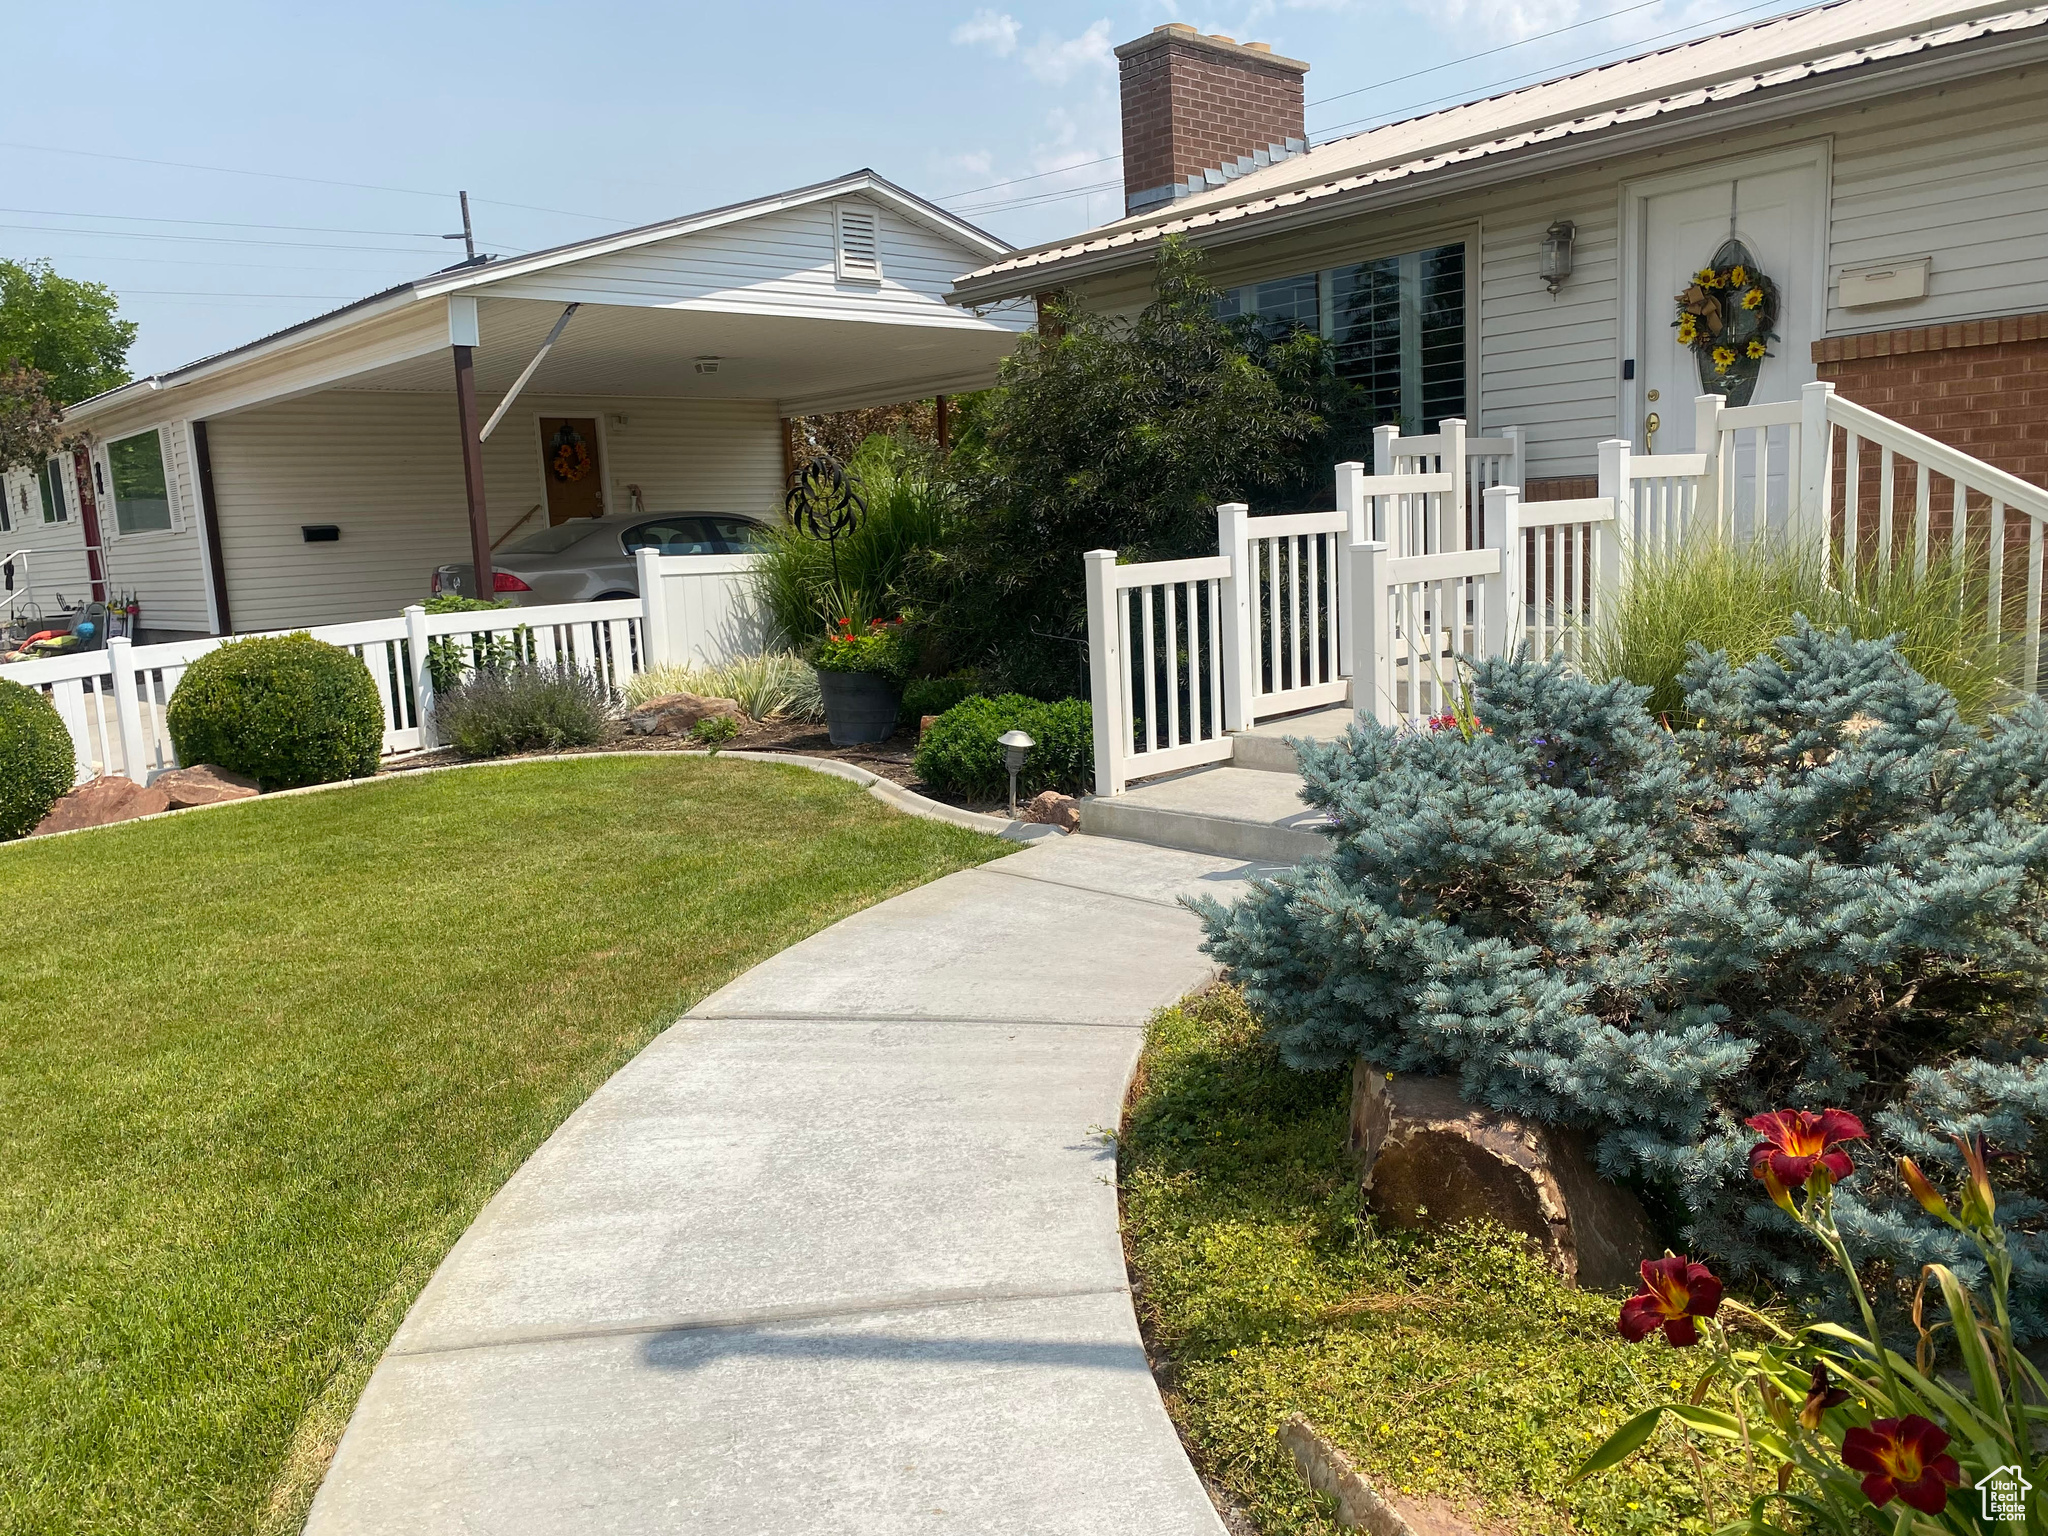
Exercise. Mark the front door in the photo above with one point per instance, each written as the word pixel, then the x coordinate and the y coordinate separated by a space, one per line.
pixel 569 468
pixel 1778 210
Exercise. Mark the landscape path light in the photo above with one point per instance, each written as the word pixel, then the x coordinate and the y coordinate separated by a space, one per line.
pixel 1016 747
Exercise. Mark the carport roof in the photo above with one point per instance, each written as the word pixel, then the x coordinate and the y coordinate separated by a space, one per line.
pixel 653 333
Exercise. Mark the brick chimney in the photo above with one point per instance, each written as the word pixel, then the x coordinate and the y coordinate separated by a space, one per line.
pixel 1201 111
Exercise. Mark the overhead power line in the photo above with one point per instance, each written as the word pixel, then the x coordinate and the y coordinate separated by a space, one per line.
pixel 142 218
pixel 146 234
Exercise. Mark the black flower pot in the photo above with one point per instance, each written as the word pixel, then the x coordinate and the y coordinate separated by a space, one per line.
pixel 859 706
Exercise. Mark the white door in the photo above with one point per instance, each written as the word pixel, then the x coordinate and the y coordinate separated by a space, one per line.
pixel 1779 211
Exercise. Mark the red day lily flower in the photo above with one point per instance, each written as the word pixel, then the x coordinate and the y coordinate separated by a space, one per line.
pixel 1904 1460
pixel 1821 1395
pixel 1675 1291
pixel 1797 1141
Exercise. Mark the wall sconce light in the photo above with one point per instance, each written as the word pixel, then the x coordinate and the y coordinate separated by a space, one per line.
pixel 1016 747
pixel 1556 263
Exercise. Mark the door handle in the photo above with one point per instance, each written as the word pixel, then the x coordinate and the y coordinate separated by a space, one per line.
pixel 1650 426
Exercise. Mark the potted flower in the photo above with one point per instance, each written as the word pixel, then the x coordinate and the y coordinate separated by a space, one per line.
pixel 861 668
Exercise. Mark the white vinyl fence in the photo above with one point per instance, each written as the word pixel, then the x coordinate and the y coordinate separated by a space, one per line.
pixel 1435 562
pixel 692 608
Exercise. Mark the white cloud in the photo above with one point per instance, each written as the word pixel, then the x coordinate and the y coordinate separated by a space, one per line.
pixel 993 30
pixel 1059 60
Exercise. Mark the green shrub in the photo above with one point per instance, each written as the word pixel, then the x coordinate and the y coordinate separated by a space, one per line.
pixel 450 660
pixel 523 709
pixel 959 753
pixel 776 685
pixel 1739 598
pixel 286 710
pixel 935 695
pixel 36 760
pixel 714 731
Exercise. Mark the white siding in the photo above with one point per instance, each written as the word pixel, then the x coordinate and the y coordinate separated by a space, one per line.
pixel 1960 176
pixel 782 263
pixel 387 469
pixel 56 561
pixel 166 571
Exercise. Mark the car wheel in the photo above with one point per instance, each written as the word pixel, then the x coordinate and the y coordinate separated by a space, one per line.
pixel 609 597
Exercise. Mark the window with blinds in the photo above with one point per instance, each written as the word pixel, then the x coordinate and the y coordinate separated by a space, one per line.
pixel 1396 326
pixel 860 244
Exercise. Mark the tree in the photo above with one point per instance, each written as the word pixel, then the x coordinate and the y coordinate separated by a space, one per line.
pixel 1119 433
pixel 64 329
pixel 30 421
pixel 1832 892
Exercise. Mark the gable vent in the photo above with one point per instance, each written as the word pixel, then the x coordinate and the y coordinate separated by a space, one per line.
pixel 860 244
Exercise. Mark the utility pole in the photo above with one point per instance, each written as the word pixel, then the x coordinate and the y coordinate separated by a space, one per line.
pixel 468 235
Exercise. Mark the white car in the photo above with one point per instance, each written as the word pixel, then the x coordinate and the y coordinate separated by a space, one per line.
pixel 592 559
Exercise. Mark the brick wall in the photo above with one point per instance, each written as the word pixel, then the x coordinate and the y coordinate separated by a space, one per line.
pixel 1191 102
pixel 1979 385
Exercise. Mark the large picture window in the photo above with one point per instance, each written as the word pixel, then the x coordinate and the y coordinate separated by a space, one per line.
pixel 1396 325
pixel 142 497
pixel 50 484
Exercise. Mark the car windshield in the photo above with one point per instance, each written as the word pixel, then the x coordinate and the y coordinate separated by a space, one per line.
pixel 552 541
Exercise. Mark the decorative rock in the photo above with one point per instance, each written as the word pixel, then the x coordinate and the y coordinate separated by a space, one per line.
pixel 1430 1160
pixel 204 784
pixel 100 804
pixel 674 714
pixel 1054 810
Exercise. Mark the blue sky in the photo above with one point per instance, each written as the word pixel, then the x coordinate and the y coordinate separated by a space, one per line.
pixel 333 139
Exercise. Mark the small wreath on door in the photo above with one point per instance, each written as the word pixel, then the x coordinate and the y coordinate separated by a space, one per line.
pixel 1727 319
pixel 570 460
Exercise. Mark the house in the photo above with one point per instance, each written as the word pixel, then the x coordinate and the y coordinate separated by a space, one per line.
pixel 1515 261
pixel 320 474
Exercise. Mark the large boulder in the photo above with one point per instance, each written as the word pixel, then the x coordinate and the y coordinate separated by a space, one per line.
pixel 204 784
pixel 676 714
pixel 1430 1160
pixel 1053 809
pixel 100 804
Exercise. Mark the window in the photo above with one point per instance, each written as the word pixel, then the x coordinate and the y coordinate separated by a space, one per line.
pixel 142 498
pixel 860 243
pixel 1396 326
pixel 672 536
pixel 51 483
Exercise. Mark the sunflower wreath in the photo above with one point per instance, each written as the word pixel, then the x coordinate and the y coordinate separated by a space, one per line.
pixel 572 457
pixel 1727 318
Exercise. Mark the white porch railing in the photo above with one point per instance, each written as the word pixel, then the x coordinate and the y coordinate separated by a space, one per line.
pixel 114 701
pixel 1422 569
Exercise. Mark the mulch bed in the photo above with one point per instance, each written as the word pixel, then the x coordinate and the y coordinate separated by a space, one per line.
pixel 891 759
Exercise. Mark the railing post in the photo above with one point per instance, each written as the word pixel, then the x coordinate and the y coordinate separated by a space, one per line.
pixel 1816 512
pixel 1106 673
pixel 422 679
pixel 654 641
pixel 1233 541
pixel 1453 430
pixel 1384 453
pixel 1503 531
pixel 1372 685
pixel 1706 438
pixel 1350 502
pixel 1518 468
pixel 127 709
pixel 1618 550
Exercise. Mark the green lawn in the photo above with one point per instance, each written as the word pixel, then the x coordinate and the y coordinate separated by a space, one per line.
pixel 259 1067
pixel 1455 1367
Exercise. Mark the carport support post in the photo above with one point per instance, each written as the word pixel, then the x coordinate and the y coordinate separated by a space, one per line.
pixel 463 340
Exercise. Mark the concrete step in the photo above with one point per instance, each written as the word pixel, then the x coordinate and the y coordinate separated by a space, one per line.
pixel 1264 746
pixel 1239 813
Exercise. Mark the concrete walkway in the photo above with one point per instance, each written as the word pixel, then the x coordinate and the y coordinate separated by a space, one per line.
pixel 838 1252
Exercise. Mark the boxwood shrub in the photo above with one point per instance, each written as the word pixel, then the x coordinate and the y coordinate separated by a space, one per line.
pixel 36 761
pixel 959 753
pixel 285 709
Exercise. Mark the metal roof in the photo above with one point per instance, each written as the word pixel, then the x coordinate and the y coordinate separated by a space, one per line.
pixel 1806 45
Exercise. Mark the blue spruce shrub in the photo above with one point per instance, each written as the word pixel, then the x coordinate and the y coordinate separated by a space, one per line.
pixel 1828 891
